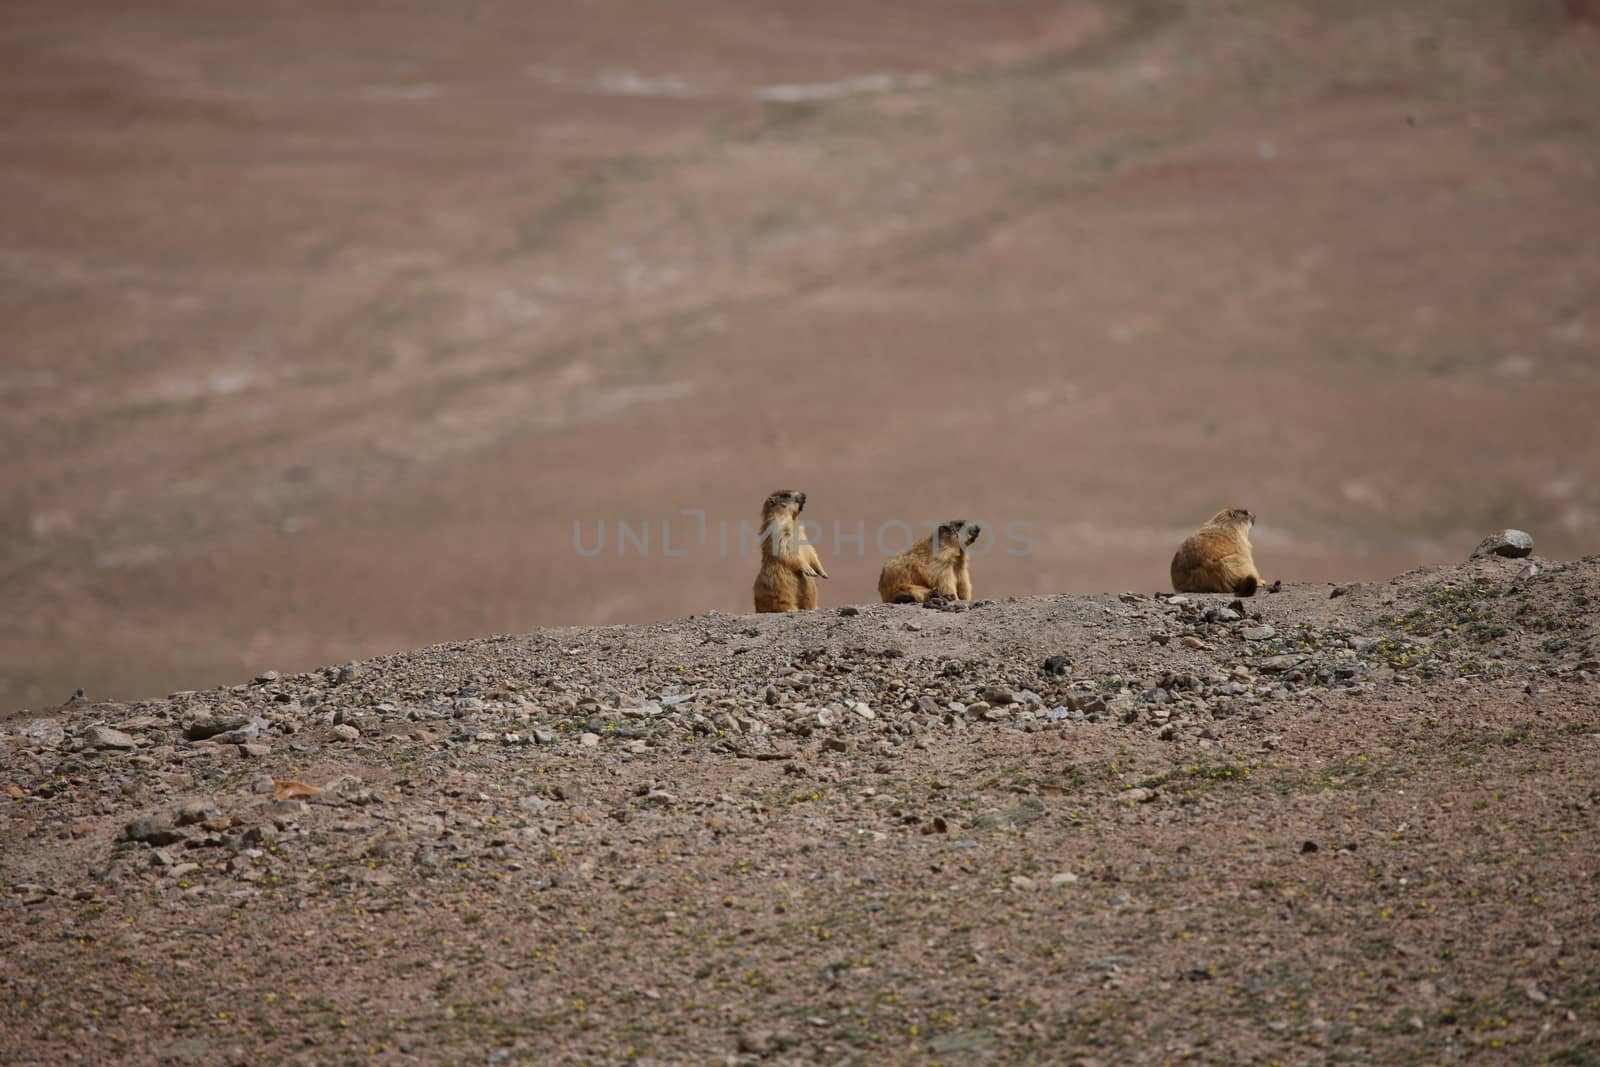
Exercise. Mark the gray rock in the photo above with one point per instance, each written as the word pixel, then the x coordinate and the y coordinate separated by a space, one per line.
pixel 212 725
pixel 106 737
pixel 1512 544
pixel 44 733
pixel 1259 633
pixel 1278 664
pixel 544 737
pixel 345 732
pixel 158 829
pixel 195 811
pixel 244 735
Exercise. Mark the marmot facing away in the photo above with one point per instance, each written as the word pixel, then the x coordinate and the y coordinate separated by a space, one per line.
pixel 935 567
pixel 789 569
pixel 1216 557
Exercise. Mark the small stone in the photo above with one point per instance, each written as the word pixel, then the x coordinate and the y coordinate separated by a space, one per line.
pixel 588 740
pixel 255 750
pixel 159 829
pixel 345 732
pixel 43 733
pixel 1064 878
pixel 104 737
pixel 1139 795
pixel 265 677
pixel 1259 633
pixel 1023 883
pixel 544 737
pixel 864 711
pixel 757 1043
pixel 1534 993
pixel 212 725
pixel 1512 544
pixel 195 811
pixel 1278 664
pixel 1177 601
pixel 350 672
pixel 977 708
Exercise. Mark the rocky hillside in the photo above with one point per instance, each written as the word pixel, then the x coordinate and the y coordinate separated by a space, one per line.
pixel 1334 820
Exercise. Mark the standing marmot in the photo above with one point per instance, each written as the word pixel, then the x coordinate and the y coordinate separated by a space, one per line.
pixel 935 567
pixel 789 568
pixel 1216 557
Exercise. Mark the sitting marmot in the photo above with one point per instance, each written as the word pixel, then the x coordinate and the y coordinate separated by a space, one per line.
pixel 1216 557
pixel 789 568
pixel 935 567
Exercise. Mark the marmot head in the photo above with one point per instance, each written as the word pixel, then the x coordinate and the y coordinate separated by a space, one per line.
pixel 792 501
pixel 957 534
pixel 1233 517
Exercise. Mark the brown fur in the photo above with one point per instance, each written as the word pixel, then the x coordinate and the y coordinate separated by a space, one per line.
pixel 789 567
pixel 935 567
pixel 1216 558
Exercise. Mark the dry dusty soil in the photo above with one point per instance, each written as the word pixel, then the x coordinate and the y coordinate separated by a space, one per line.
pixel 325 322
pixel 1332 824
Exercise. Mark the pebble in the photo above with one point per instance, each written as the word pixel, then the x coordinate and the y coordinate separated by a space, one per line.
pixel 1512 544
pixel 211 726
pixel 158 829
pixel 1259 633
pixel 345 732
pixel 1064 878
pixel 44 733
pixel 104 737
pixel 588 739
pixel 1139 795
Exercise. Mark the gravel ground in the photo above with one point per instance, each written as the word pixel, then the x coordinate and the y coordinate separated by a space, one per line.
pixel 1330 823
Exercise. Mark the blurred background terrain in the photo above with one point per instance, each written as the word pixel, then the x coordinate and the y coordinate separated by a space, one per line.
pixel 325 324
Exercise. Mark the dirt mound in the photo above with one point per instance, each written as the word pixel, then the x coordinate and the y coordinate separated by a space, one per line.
pixel 1333 822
